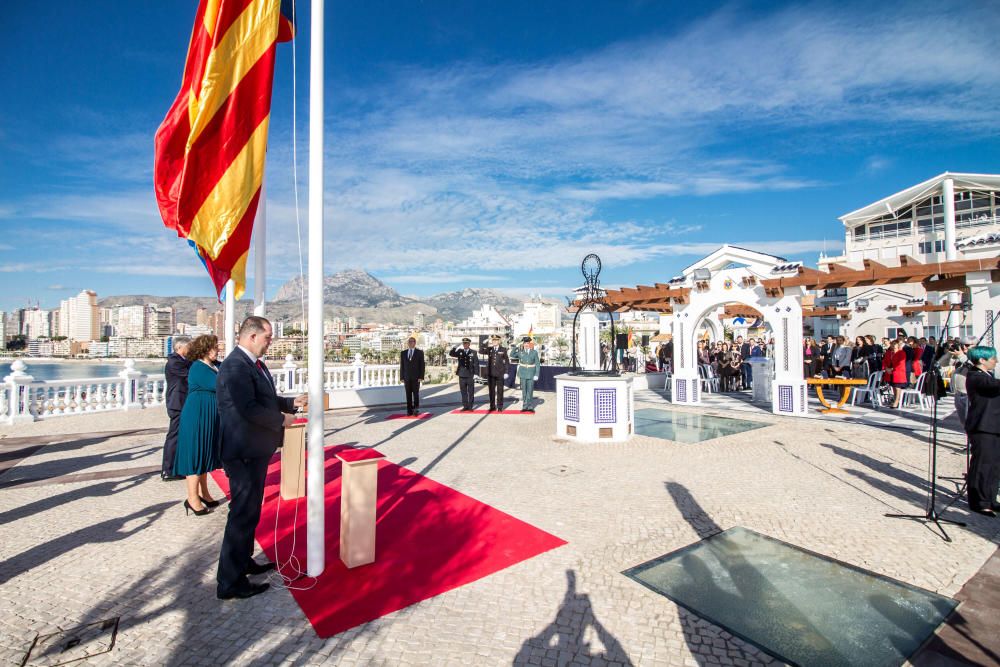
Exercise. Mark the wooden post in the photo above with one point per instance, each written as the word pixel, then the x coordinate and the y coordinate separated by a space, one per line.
pixel 358 500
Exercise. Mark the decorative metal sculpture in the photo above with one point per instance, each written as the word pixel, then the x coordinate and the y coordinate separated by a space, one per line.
pixel 593 297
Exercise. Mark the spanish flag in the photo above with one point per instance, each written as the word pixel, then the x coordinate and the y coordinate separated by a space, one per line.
pixel 210 148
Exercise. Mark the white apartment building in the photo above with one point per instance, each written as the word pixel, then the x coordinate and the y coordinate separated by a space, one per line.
pixel 129 321
pixel 937 220
pixel 538 317
pixel 486 321
pixel 79 318
pixel 36 324
pixel 3 330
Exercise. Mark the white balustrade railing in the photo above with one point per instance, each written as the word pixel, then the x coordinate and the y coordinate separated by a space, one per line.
pixel 24 399
pixel 290 378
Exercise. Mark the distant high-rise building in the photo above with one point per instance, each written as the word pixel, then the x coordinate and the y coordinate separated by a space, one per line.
pixel 79 318
pixel 418 320
pixel 130 322
pixel 159 321
pixel 201 317
pixel 3 330
pixel 13 326
pixel 218 323
pixel 36 324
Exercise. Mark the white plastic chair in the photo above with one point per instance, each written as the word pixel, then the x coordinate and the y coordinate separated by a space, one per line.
pixel 870 389
pixel 917 394
pixel 709 380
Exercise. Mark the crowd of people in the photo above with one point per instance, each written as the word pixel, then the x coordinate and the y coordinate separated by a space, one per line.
pixel 902 360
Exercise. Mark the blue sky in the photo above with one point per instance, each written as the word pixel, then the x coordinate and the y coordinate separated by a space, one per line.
pixel 475 144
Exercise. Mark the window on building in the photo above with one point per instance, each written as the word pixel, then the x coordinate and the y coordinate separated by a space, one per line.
pixel 928 247
pixel 894 332
pixel 859 233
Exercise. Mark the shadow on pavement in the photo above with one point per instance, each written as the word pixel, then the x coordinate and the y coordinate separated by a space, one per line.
pixel 568 635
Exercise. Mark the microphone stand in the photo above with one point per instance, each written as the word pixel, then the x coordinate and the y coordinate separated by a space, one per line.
pixel 932 515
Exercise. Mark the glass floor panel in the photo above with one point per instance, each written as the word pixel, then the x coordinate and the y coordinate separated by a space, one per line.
pixel 801 607
pixel 688 426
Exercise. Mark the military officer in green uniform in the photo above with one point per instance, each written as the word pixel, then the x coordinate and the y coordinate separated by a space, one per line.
pixel 528 368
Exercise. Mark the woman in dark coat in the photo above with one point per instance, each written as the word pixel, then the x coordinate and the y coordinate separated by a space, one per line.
pixel 983 427
pixel 198 440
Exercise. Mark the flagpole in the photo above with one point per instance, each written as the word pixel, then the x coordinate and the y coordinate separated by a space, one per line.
pixel 230 316
pixel 260 255
pixel 315 552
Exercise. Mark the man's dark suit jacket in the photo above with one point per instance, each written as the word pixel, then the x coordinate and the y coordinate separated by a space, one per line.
pixel 411 369
pixel 745 350
pixel 176 372
pixel 497 361
pixel 250 419
pixel 984 402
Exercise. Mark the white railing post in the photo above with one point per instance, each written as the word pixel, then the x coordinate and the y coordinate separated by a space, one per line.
pixel 359 369
pixel 289 369
pixel 19 390
pixel 132 380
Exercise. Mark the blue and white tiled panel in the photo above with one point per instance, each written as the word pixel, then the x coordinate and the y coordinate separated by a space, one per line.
pixel 685 390
pixel 571 404
pixel 605 406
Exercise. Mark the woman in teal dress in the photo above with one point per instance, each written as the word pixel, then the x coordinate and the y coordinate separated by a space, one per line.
pixel 198 435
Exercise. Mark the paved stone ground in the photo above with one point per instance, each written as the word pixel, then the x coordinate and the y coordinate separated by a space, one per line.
pixel 78 549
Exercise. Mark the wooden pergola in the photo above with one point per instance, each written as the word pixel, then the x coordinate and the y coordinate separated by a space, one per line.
pixel 934 276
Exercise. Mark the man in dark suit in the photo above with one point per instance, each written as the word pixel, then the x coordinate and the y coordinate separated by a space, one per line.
pixel 983 426
pixel 176 372
pixel 497 363
pixel 468 369
pixel 411 372
pixel 252 421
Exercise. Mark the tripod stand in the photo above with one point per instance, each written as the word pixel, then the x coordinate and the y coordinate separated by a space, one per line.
pixel 932 515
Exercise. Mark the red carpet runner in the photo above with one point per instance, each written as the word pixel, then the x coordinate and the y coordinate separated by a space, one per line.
pixel 429 540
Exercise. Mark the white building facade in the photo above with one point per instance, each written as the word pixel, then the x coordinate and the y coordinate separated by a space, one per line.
pixel 79 317
pixel 941 219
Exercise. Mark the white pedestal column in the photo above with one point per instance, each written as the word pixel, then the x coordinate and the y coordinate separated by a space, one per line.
pixel 132 380
pixel 18 388
pixel 594 408
pixel 358 500
pixel 588 350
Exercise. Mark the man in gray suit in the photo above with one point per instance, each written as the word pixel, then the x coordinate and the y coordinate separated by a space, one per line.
pixel 468 369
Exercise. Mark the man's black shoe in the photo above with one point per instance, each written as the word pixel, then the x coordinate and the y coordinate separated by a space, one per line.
pixel 171 478
pixel 530 410
pixel 242 592
pixel 259 568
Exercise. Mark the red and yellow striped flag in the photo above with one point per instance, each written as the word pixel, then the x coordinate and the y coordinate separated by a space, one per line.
pixel 210 148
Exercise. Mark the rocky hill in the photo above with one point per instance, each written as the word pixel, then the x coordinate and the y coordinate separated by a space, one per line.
pixel 351 293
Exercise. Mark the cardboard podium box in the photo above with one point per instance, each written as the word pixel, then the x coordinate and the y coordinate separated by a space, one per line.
pixel 293 461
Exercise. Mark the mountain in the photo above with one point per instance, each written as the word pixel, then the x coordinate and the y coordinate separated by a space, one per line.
pixel 350 293
pixel 458 305
pixel 349 289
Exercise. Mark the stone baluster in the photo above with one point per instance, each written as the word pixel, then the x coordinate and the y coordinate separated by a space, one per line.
pixel 132 381
pixel 19 388
pixel 359 369
pixel 288 369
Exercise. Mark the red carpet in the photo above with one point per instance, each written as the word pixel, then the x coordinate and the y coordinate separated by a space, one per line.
pixel 430 539
pixel 487 412
pixel 421 415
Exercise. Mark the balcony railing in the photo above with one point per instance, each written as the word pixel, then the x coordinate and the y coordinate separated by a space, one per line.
pixel 24 399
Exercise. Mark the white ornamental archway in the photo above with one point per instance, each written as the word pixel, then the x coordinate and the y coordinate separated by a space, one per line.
pixel 734 275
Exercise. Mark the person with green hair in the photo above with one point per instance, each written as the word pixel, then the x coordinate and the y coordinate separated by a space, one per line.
pixel 983 426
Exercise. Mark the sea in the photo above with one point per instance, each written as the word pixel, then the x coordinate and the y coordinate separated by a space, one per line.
pixel 78 370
